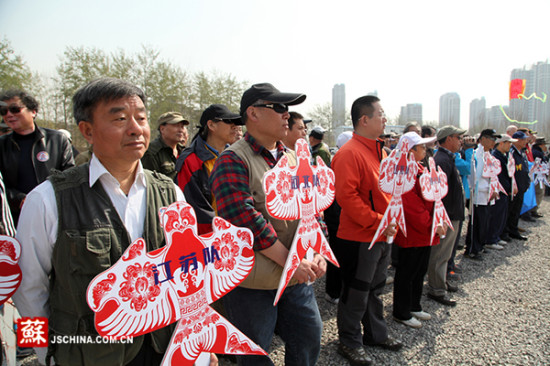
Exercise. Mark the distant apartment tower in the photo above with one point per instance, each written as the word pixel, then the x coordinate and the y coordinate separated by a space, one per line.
pixel 537 80
pixel 411 112
pixel 338 105
pixel 478 115
pixel 449 110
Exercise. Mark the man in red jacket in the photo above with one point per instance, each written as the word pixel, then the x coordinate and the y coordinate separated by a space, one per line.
pixel 357 169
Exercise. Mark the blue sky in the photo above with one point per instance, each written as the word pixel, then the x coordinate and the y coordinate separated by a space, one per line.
pixel 409 51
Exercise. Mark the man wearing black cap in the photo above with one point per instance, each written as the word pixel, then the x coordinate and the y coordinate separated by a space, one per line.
pixel 522 179
pixel 165 149
pixel 236 182
pixel 218 129
pixel 318 147
pixel 478 229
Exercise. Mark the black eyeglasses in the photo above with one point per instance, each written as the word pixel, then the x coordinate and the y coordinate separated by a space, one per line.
pixel 14 109
pixel 277 107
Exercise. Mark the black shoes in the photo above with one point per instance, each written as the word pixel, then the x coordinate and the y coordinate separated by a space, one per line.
pixel 528 219
pixel 442 300
pixel 537 215
pixel 355 356
pixel 518 236
pixel 451 288
pixel 474 256
pixel 390 344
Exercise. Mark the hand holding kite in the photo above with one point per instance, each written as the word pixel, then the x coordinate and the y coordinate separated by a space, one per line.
pixel 433 183
pixel 491 170
pixel 143 292
pixel 397 176
pixel 300 192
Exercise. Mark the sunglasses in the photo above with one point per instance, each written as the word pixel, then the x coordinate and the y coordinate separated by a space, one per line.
pixel 227 121
pixel 277 107
pixel 14 109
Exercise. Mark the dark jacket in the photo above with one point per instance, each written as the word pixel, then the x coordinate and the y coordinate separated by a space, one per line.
pixel 59 157
pixel 538 153
pixel 454 200
pixel 503 177
pixel 160 157
pixel 192 178
pixel 522 169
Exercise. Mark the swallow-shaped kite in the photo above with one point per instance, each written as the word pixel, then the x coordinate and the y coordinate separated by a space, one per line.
pixel 491 170
pixel 143 292
pixel 539 173
pixel 10 273
pixel 300 192
pixel 397 177
pixel 433 184
pixel 511 167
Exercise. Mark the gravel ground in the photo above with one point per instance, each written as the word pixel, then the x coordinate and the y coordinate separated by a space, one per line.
pixel 502 316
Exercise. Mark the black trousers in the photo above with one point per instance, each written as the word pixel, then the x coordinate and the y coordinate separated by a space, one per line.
pixel 409 280
pixel 514 210
pixel 477 230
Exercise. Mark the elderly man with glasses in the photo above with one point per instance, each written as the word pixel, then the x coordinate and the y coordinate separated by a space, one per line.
pixel 29 153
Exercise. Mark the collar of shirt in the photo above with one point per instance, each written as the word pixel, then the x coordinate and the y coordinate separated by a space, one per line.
pixel 259 149
pixel 448 152
pixel 130 208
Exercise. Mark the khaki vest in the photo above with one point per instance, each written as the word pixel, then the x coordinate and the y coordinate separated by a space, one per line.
pixel 266 274
pixel 90 239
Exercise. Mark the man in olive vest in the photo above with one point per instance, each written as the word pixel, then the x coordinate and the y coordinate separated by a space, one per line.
pixel 79 222
pixel 236 182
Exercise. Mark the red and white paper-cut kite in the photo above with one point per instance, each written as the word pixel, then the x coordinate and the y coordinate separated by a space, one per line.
pixel 397 177
pixel 300 192
pixel 491 170
pixel 143 292
pixel 539 173
pixel 433 184
pixel 10 273
pixel 511 167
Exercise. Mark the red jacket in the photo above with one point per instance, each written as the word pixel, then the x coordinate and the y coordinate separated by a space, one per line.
pixel 418 218
pixel 357 168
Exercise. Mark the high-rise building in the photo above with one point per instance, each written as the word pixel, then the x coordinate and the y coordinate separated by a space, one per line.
pixel 449 110
pixel 526 111
pixel 478 120
pixel 411 112
pixel 338 105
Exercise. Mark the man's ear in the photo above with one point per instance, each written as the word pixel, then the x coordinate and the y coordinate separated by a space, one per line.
pixel 86 131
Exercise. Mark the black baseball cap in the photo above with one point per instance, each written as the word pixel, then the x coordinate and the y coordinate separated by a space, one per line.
pixel 489 132
pixel 267 92
pixel 219 111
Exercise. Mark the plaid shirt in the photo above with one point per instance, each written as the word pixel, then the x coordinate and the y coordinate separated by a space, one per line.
pixel 230 185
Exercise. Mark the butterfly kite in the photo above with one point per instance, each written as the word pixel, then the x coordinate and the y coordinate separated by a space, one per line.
pixel 397 177
pixel 143 292
pixel 300 192
pixel 433 184
pixel 10 273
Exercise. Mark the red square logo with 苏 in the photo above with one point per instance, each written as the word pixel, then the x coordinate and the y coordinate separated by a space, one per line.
pixel 32 332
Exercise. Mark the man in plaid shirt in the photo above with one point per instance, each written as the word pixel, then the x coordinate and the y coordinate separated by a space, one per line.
pixel 236 183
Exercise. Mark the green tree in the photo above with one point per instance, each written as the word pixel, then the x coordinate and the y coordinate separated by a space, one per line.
pixel 78 66
pixel 14 72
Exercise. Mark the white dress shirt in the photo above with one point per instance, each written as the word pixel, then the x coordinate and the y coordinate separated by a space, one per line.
pixel 37 233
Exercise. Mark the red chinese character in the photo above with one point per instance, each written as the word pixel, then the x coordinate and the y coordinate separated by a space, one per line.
pixel 32 332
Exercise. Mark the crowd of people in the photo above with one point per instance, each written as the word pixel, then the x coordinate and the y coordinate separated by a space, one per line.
pixel 76 217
